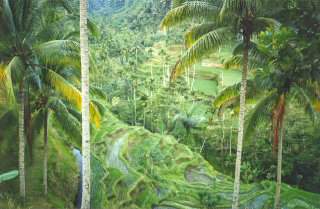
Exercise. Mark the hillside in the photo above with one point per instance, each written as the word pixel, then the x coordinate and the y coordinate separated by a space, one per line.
pixel 134 168
pixel 176 104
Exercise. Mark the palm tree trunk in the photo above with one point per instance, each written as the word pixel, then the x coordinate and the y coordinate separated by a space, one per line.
pixel 135 106
pixel 223 134
pixel 45 154
pixel 85 105
pixel 29 127
pixel 279 169
pixel 21 141
pixel 246 41
pixel 144 117
pixel 193 75
pixel 230 144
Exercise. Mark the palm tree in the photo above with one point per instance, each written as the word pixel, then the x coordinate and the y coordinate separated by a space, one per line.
pixel 238 17
pixel 58 95
pixel 58 89
pixel 281 78
pixel 84 46
pixel 20 35
pixel 28 39
pixel 187 119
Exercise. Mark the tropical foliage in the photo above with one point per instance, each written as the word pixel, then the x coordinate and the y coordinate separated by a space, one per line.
pixel 168 80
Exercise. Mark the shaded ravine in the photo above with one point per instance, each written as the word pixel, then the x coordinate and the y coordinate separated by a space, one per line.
pixel 138 169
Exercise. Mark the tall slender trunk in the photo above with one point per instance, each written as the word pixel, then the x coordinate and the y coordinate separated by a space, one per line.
pixel 144 117
pixel 193 75
pixel 151 112
pixel 21 141
pixel 135 106
pixel 230 144
pixel 84 45
pixel 223 134
pixel 279 169
pixel 45 150
pixel 29 127
pixel 246 41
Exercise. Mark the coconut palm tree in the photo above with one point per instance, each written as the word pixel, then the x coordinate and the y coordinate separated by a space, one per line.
pixel 84 46
pixel 57 94
pixel 222 19
pixel 20 37
pixel 188 119
pixel 283 77
pixel 28 39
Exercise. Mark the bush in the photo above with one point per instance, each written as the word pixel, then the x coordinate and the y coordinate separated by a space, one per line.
pixel 209 200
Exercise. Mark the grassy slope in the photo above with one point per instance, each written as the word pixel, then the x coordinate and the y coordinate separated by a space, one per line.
pixel 145 170
pixel 62 181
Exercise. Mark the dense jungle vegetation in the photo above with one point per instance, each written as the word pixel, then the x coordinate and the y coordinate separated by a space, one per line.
pixel 161 104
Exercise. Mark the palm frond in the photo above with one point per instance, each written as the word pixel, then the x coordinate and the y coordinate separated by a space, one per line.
pixel 92 63
pixel 67 122
pixel 230 97
pixel 37 120
pixel 44 4
pixel 197 32
pixel 262 23
pixel 304 100
pixel 2 73
pixel 189 10
pixel 33 77
pixel 8 20
pixel 188 122
pixel 238 48
pixel 233 62
pixel 74 33
pixel 74 113
pixel 6 88
pixel 43 8
pixel 228 93
pixel 177 3
pixel 56 29
pixel 73 95
pixel 8 120
pixel 234 101
pixel 16 66
pixel 59 52
pixel 261 112
pixel 65 26
pixel 236 62
pixel 93 28
pixel 99 106
pixel 240 7
pixel 203 46
pixel 98 92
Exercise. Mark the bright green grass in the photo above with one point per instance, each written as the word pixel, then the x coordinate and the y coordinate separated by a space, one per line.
pixel 208 87
pixel 230 77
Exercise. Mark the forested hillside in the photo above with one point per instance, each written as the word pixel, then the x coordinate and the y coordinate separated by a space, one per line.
pixel 191 104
